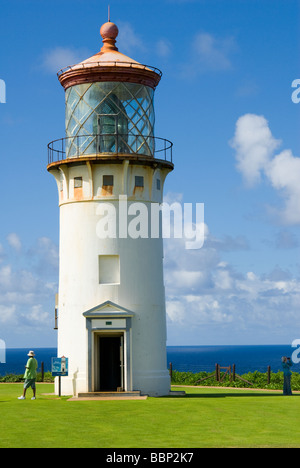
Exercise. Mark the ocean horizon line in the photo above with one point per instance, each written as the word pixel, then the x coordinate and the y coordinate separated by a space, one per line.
pixel 169 346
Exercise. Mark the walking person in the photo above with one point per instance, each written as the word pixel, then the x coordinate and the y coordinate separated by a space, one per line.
pixel 286 365
pixel 30 375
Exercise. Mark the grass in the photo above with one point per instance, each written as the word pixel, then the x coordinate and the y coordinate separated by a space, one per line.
pixel 206 417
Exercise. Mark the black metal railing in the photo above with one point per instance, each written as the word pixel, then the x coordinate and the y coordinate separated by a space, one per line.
pixel 99 145
pixel 110 63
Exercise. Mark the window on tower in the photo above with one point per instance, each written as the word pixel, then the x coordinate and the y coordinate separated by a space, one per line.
pixel 77 182
pixel 107 185
pixel 108 180
pixel 139 181
pixel 109 269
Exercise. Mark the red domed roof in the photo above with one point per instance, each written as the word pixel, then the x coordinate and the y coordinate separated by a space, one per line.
pixel 109 65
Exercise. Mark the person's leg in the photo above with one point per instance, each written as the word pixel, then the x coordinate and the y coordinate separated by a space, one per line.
pixel 289 388
pixel 33 389
pixel 287 385
pixel 26 383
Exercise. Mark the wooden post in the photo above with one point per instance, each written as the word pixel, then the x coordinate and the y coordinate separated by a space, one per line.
pixel 218 372
pixel 269 374
pixel 233 372
pixel 42 371
pixel 171 371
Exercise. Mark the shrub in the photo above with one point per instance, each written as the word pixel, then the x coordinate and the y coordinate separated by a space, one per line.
pixel 20 378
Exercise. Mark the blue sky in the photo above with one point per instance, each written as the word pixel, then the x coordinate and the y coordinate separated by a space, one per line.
pixel 224 101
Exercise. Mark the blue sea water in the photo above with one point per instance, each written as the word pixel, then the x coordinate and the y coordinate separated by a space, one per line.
pixel 16 359
pixel 183 358
pixel 246 358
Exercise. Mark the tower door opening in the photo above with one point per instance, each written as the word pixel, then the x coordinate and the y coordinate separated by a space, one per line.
pixel 110 363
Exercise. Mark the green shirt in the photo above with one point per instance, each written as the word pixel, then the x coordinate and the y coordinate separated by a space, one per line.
pixel 31 368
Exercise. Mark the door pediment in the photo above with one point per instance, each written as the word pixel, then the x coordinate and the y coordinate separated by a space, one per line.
pixel 108 309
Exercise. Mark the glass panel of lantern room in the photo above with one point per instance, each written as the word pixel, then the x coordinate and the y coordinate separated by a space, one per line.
pixel 109 117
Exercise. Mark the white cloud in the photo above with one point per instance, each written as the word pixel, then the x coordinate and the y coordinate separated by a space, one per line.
pixel 255 147
pixel 128 41
pixel 214 53
pixel 5 277
pixel 37 314
pixel 7 313
pixel 284 174
pixel 44 256
pixel 14 241
pixel 61 57
pixel 28 286
pixel 163 47
pixel 206 298
pixel 208 53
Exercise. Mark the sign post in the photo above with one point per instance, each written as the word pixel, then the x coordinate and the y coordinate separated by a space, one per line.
pixel 59 368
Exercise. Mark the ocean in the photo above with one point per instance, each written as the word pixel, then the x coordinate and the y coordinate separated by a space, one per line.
pixel 183 358
pixel 247 358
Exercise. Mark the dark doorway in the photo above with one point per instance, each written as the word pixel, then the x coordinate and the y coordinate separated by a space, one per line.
pixel 110 362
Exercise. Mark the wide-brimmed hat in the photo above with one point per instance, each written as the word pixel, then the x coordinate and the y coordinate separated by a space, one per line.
pixel 31 353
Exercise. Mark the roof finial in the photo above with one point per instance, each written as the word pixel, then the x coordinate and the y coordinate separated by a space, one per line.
pixel 108 13
pixel 109 32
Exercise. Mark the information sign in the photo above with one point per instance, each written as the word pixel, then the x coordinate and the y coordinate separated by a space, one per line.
pixel 59 366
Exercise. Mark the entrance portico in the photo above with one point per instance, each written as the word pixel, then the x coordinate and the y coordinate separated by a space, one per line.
pixel 109 328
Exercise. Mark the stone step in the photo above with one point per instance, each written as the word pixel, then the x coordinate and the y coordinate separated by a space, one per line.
pixel 109 394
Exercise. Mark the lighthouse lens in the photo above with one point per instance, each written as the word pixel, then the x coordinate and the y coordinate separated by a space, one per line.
pixel 109 117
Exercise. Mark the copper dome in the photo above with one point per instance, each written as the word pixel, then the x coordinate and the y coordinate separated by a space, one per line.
pixel 109 65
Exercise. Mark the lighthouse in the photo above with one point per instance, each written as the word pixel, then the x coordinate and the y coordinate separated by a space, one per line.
pixel 110 171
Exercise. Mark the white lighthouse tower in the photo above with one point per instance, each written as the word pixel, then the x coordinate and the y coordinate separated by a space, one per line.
pixel 110 171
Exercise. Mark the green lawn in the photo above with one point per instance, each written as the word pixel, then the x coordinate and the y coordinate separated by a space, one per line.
pixel 206 417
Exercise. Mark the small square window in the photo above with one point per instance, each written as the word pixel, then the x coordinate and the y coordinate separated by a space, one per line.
pixel 158 184
pixel 109 269
pixel 77 182
pixel 108 180
pixel 139 181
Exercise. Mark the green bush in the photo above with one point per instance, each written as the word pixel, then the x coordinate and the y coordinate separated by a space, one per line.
pixel 11 378
pixel 20 378
pixel 254 380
